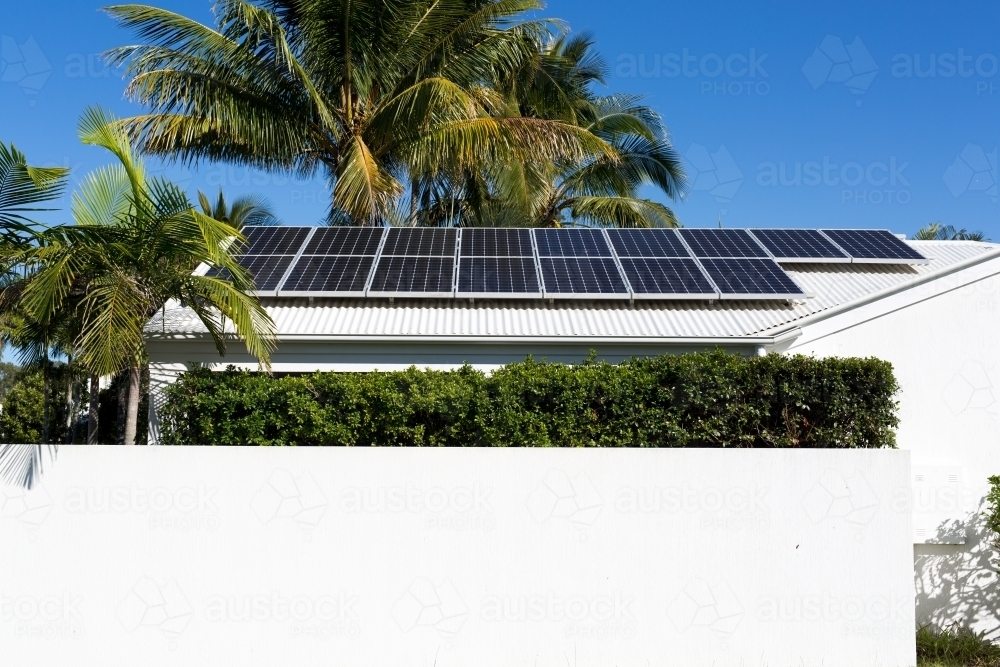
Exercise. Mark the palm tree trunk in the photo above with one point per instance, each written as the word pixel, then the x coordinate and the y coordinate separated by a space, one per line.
pixel 95 403
pixel 120 416
pixel 45 399
pixel 70 404
pixel 132 412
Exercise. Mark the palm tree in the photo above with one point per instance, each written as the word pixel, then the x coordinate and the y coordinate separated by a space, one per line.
pixel 604 190
pixel 935 231
pixel 600 190
pixel 246 210
pixel 22 187
pixel 130 251
pixel 372 94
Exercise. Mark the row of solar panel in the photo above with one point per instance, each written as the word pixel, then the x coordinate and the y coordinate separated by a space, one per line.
pixel 783 245
pixel 691 263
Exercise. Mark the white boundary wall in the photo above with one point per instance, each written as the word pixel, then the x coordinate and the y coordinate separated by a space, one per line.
pixel 493 558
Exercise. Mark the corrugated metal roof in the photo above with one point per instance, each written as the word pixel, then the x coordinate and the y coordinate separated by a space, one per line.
pixel 833 286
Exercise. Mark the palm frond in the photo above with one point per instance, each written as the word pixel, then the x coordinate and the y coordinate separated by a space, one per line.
pixel 22 465
pixel 622 212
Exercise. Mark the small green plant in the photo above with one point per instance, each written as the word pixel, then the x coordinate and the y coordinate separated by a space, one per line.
pixel 992 513
pixel 955 647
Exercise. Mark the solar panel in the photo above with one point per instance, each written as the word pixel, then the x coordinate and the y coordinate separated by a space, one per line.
pixel 345 241
pixel 721 243
pixel 647 243
pixel 413 276
pixel 790 246
pixel 496 243
pixel 316 275
pixel 420 242
pixel 267 270
pixel 675 278
pixel 751 279
pixel 572 243
pixel 874 246
pixel 484 277
pixel 584 277
pixel 274 240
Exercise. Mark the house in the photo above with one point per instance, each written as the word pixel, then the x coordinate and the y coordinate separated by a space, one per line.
pixel 938 323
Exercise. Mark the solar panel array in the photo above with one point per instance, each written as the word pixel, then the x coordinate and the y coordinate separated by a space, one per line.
pixel 622 264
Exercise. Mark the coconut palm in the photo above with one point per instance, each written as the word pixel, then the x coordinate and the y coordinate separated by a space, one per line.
pixel 600 190
pixel 246 210
pixel 372 94
pixel 935 231
pixel 604 190
pixel 130 251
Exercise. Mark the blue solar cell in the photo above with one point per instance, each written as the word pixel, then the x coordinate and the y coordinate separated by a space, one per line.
pixel 267 270
pixel 274 240
pixel 498 275
pixel 666 277
pixel 751 278
pixel 799 245
pixel 572 243
pixel 496 243
pixel 414 275
pixel 647 243
pixel 420 242
pixel 590 276
pixel 874 246
pixel 345 241
pixel 722 243
pixel 319 273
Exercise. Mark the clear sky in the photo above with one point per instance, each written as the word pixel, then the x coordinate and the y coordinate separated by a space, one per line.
pixel 790 114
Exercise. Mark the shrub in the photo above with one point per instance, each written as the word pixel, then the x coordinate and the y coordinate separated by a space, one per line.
pixel 956 647
pixel 695 400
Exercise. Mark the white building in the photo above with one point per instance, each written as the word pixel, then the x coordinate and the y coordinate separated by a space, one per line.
pixel 937 323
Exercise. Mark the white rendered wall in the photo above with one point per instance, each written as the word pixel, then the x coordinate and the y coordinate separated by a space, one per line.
pixel 945 349
pixel 494 558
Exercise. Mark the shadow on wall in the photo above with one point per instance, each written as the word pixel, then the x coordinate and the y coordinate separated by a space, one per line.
pixel 957 585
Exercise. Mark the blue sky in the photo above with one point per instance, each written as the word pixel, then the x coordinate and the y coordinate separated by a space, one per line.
pixel 789 114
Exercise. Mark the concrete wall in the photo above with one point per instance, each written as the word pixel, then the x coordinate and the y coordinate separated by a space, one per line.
pixel 268 556
pixel 946 354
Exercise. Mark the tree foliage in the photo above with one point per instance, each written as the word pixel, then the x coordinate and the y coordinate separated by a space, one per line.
pixel 695 400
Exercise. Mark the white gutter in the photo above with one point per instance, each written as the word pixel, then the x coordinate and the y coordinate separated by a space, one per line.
pixel 750 341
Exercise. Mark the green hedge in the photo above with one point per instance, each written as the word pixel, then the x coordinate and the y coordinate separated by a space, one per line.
pixel 695 400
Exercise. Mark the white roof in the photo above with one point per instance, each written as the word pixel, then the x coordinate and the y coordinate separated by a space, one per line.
pixel 832 286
